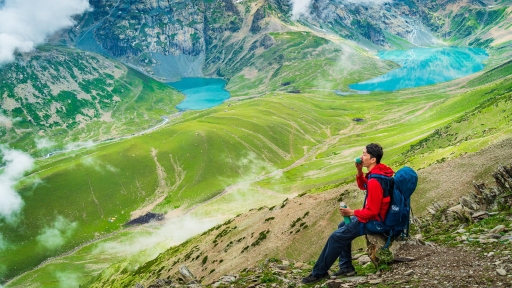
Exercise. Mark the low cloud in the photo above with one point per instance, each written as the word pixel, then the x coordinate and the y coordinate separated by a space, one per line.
pixel 98 165
pixel 44 143
pixel 68 279
pixel 16 164
pixel 6 121
pixel 55 236
pixel 368 1
pixel 3 242
pixel 79 145
pixel 172 232
pixel 27 23
pixel 300 8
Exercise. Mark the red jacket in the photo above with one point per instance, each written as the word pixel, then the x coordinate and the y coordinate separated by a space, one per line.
pixel 375 202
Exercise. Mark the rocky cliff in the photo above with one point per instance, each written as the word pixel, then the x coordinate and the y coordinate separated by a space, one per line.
pixel 170 39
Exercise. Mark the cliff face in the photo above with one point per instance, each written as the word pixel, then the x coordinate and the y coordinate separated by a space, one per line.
pixel 134 31
pixel 420 22
pixel 170 39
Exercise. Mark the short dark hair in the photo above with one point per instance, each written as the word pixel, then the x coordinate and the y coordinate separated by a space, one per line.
pixel 375 150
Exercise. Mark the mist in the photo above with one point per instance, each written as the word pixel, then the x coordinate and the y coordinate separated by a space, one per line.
pixel 67 279
pixel 3 243
pixel 42 143
pixel 172 232
pixel 55 235
pixel 367 1
pixel 301 7
pixel 16 164
pixel 27 23
pixel 6 121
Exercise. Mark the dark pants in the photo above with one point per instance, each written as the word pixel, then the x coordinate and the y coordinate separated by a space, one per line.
pixel 339 245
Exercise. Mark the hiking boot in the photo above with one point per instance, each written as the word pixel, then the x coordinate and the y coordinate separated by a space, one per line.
pixel 312 279
pixel 349 271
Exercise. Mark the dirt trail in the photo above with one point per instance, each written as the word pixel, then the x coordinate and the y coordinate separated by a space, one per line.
pixel 160 193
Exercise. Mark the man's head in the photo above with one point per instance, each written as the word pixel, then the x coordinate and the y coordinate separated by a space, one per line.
pixel 372 154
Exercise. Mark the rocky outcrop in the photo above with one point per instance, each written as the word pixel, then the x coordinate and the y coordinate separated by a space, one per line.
pixel 135 31
pixel 476 205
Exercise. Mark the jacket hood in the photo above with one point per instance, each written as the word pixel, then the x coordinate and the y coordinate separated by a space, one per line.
pixel 382 169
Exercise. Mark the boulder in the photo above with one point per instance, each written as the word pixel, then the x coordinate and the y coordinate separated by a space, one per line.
pixel 374 244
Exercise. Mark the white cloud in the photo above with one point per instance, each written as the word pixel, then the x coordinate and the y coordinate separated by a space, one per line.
pixel 79 145
pixel 16 164
pixel 173 232
pixel 54 236
pixel 5 121
pixel 27 23
pixel 44 143
pixel 300 8
pixel 3 242
pixel 68 279
pixel 368 1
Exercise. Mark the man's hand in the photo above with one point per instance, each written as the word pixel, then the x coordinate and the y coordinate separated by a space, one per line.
pixel 359 168
pixel 346 212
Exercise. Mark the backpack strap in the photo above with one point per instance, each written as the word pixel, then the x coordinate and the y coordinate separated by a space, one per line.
pixel 385 182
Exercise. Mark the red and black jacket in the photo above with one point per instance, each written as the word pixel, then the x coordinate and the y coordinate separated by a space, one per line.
pixel 377 200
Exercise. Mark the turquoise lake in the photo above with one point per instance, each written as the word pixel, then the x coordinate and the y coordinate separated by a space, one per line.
pixel 201 93
pixel 425 66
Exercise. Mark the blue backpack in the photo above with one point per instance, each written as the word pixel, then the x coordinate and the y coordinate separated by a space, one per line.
pixel 400 188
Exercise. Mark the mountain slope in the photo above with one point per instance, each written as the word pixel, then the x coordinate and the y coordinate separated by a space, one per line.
pixel 295 230
pixel 74 96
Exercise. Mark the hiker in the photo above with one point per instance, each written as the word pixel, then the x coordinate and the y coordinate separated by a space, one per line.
pixel 376 205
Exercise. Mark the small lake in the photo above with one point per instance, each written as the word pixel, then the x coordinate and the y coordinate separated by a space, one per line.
pixel 425 66
pixel 201 93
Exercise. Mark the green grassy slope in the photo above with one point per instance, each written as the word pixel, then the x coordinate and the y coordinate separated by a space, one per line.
pixel 299 61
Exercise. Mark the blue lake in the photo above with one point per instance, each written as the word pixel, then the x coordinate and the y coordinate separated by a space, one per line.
pixel 201 93
pixel 425 66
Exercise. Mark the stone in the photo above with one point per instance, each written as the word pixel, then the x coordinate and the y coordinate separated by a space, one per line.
pixel 409 273
pixel 286 263
pixel 357 256
pixel 506 238
pixel 298 265
pixel 283 267
pixel 479 214
pixel 461 231
pixel 227 278
pixel 374 243
pixel 187 275
pixel 494 236
pixel 363 260
pixel 353 279
pixel 501 272
pixel 375 281
pixel 497 229
pixel 485 241
pixel 333 283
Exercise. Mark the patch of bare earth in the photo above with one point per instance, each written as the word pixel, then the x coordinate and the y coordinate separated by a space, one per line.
pixel 452 179
pixel 437 266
